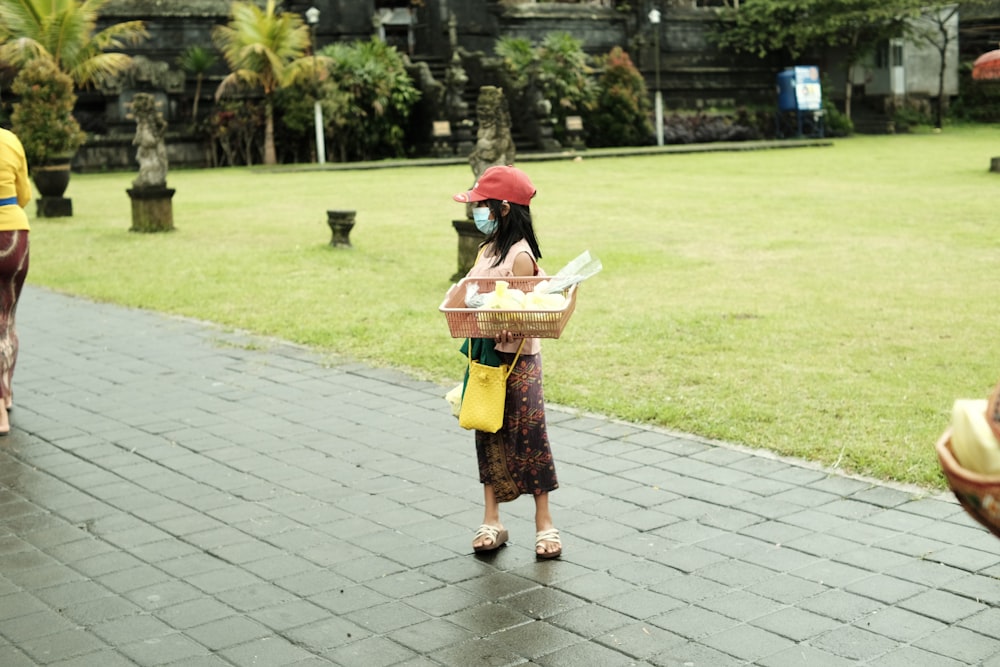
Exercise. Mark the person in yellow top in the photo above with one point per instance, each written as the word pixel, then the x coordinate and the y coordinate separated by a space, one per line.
pixel 15 193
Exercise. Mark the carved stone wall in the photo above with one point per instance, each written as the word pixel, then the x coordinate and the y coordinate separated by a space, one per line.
pixel 693 73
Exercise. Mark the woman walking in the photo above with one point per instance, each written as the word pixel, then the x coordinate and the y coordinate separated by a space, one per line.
pixel 516 460
pixel 15 193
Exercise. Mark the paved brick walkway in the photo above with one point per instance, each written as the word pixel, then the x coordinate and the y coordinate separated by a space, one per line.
pixel 177 494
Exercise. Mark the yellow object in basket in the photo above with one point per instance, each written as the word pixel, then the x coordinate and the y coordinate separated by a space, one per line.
pixel 504 297
pixel 972 439
pixel 539 301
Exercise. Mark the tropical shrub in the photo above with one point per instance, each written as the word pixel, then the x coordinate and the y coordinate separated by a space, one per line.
pixel 43 115
pixel 557 70
pixel 367 100
pixel 235 128
pixel 621 114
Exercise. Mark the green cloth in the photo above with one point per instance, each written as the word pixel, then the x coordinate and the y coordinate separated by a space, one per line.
pixel 483 351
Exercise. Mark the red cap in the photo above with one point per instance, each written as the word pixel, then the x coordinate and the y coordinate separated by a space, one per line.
pixel 503 183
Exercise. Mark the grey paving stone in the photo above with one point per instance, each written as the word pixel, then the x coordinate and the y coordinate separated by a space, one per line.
pixel 735 573
pixel 943 606
pixel 693 653
pixel 841 605
pixel 541 603
pixel 831 573
pixel 373 651
pixel 484 619
pixel 34 625
pixel 687 559
pixel 959 643
pixel 97 611
pixel 854 643
pixel 60 646
pixel 899 624
pixel 741 605
pixel 432 635
pixel 289 614
pixel 474 652
pixel 639 640
pixel 748 642
pixel 226 632
pixel 802 654
pixel 693 622
pixel 796 624
pixel 589 621
pixel 194 613
pixel 986 622
pixel 644 573
pixel 274 651
pixel 254 596
pixel 534 639
pixel 104 658
pixel 642 604
pixel 691 588
pixel 908 656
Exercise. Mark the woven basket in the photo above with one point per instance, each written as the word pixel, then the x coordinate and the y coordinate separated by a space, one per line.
pixel 979 494
pixel 487 323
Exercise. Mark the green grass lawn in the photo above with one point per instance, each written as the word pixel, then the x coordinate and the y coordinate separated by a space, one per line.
pixel 825 302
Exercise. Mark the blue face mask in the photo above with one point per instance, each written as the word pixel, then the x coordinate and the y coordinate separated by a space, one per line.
pixel 481 216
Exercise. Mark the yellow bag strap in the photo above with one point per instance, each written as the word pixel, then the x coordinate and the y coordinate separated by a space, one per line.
pixel 509 370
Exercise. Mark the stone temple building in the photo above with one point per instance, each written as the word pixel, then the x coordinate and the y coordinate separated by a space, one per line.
pixel 434 34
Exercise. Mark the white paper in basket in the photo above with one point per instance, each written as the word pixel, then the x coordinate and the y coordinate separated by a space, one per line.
pixel 584 266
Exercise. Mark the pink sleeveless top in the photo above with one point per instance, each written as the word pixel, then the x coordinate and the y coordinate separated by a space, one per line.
pixel 483 268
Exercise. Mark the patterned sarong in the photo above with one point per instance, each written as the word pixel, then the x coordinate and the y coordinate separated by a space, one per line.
pixel 13 270
pixel 517 459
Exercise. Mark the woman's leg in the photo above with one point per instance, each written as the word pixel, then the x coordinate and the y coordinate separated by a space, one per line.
pixel 543 522
pixel 13 269
pixel 491 515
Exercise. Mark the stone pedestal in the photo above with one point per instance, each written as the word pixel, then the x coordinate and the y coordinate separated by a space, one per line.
pixel 54 207
pixel 469 238
pixel 341 223
pixel 152 209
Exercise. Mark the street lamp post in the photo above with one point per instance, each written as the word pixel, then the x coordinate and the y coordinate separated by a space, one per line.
pixel 654 18
pixel 312 18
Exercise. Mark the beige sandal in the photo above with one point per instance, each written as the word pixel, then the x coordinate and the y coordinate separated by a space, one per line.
pixel 550 535
pixel 497 537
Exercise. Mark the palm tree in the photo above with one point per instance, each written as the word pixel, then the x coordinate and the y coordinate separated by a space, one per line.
pixel 264 50
pixel 196 60
pixel 65 31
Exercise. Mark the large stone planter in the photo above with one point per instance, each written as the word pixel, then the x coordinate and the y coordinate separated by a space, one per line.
pixel 152 209
pixel 52 181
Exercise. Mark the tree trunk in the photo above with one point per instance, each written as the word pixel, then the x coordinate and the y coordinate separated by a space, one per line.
pixel 270 155
pixel 197 96
pixel 941 104
pixel 849 91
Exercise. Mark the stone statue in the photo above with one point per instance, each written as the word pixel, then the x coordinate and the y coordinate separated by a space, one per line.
pixel 149 132
pixel 494 145
pixel 455 78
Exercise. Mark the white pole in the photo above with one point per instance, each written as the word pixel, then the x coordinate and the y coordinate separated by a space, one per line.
pixel 312 18
pixel 320 139
pixel 659 118
pixel 654 18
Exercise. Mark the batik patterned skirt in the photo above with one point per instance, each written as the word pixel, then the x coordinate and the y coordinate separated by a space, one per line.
pixel 517 459
pixel 13 270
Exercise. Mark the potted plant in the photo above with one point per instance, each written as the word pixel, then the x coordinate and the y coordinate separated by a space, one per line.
pixel 43 121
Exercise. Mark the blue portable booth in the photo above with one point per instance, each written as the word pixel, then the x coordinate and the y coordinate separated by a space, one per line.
pixel 800 102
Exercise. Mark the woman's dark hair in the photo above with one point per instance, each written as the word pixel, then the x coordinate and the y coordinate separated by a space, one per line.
pixel 516 225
